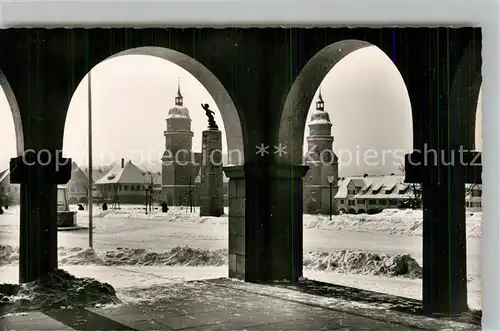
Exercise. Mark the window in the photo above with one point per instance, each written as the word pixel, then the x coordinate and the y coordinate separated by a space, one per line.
pixel 351 192
pixel 2 189
pixel 361 202
pixel 125 187
pixel 342 202
pixel 388 191
pixel 371 202
pixel 350 202
pixel 476 193
pixel 382 202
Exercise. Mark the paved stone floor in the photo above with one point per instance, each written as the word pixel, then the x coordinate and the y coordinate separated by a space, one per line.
pixel 223 305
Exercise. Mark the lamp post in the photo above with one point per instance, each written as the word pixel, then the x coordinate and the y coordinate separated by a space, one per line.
pixel 331 182
pixel 191 202
pixel 146 193
pixel 149 190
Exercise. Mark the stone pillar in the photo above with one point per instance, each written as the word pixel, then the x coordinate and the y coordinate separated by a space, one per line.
pixel 211 186
pixel 38 219
pixel 284 226
pixel 237 253
pixel 265 221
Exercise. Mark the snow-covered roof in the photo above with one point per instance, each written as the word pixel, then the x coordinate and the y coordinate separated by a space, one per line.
pixel 4 174
pixel 374 187
pixel 178 112
pixel 129 174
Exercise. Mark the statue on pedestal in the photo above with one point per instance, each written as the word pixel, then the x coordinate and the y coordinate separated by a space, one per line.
pixel 210 114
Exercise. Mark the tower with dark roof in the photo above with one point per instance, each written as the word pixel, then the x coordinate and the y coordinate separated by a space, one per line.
pixel 178 167
pixel 321 160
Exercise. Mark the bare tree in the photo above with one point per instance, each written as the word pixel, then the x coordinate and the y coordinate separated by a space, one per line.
pixel 415 201
pixel 5 199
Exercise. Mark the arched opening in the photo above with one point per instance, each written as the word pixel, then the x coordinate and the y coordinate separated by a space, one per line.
pixel 11 145
pixel 338 102
pixel 351 211
pixel 134 96
pixel 375 184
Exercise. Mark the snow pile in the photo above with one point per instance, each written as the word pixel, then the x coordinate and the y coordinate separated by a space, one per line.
pixel 360 262
pixel 391 221
pixel 174 214
pixel 345 261
pixel 177 256
pixel 56 290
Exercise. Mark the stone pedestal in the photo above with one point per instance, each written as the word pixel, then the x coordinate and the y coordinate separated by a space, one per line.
pixel 211 186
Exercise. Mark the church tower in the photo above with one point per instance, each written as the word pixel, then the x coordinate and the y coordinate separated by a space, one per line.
pixel 178 162
pixel 322 162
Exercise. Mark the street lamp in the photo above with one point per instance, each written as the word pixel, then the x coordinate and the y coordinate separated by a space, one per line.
pixel 149 190
pixel 331 182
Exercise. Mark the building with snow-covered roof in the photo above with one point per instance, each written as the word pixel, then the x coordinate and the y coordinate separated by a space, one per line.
pixel 371 194
pixel 473 196
pixel 127 183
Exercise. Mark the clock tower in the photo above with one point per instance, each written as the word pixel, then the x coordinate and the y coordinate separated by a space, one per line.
pixel 178 167
pixel 322 162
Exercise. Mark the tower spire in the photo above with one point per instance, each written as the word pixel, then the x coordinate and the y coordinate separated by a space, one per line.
pixel 178 98
pixel 320 104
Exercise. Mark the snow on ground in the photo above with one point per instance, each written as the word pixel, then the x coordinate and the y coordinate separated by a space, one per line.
pixel 390 221
pixel 135 251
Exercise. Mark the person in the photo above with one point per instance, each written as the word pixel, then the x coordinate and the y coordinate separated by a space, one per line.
pixel 164 207
pixel 105 206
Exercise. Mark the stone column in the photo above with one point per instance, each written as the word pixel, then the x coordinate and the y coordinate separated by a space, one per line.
pixel 38 219
pixel 284 227
pixel 211 186
pixel 237 253
pixel 265 221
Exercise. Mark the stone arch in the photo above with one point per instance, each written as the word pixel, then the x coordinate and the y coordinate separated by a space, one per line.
pixel 16 115
pixel 225 104
pixel 478 127
pixel 299 98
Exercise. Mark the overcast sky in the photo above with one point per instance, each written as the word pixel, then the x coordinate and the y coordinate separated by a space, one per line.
pixel 364 94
